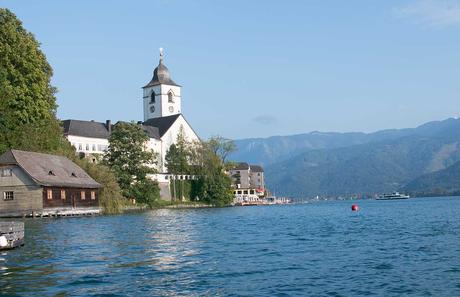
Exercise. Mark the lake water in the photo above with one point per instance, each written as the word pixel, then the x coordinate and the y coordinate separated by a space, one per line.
pixel 388 248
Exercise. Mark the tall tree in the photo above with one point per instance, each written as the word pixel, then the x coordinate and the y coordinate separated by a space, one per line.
pixel 178 155
pixel 221 147
pixel 213 185
pixel 27 102
pixel 178 162
pixel 128 157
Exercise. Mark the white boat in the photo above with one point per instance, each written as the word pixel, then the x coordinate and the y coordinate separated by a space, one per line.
pixel 392 196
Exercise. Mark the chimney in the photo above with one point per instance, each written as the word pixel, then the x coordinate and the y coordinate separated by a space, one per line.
pixel 108 125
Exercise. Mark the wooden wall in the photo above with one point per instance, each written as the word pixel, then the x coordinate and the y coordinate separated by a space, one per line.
pixel 73 197
pixel 27 194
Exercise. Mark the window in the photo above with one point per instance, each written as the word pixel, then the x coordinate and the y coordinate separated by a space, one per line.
pixel 49 194
pixel 93 195
pixel 87 147
pixel 80 147
pixel 63 194
pixel 7 172
pixel 82 195
pixel 51 172
pixel 73 174
pixel 94 147
pixel 170 97
pixel 8 196
pixel 152 97
pixel 101 147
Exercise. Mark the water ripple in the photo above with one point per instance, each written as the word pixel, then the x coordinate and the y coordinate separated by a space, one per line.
pixel 393 248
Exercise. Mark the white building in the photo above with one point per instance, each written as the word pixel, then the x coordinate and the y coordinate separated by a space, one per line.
pixel 163 119
pixel 248 180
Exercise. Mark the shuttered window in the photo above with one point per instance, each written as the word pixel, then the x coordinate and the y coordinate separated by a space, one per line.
pixel 83 195
pixel 93 195
pixel 8 196
pixel 49 194
pixel 63 194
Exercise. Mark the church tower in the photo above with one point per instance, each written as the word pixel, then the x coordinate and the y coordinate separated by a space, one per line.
pixel 161 94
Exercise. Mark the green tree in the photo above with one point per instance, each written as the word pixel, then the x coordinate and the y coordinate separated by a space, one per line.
pixel 221 147
pixel 28 106
pixel 132 162
pixel 212 185
pixel 178 163
pixel 27 102
pixel 110 197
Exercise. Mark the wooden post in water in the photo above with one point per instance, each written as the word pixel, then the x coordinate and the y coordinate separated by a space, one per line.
pixel 11 235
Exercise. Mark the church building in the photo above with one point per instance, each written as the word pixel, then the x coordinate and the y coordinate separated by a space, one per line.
pixel 163 120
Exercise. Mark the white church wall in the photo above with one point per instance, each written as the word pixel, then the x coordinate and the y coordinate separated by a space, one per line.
pixel 155 145
pixel 170 136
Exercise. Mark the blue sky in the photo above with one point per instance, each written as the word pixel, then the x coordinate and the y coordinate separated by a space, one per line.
pixel 256 68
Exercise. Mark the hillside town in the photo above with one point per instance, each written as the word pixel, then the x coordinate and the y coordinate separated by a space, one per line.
pixel 45 184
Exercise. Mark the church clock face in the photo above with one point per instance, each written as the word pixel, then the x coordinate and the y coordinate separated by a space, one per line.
pixel 171 109
pixel 152 108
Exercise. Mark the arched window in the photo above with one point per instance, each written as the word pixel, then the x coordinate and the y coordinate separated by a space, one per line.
pixel 170 97
pixel 152 97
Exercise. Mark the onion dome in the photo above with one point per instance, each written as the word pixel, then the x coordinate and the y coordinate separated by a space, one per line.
pixel 161 75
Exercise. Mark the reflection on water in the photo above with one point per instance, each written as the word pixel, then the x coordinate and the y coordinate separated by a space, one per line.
pixel 387 249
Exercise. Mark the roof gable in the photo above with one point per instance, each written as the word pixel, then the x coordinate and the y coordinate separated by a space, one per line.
pixel 49 170
pixel 162 123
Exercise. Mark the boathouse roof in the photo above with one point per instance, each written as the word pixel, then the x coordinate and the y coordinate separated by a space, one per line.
pixel 49 170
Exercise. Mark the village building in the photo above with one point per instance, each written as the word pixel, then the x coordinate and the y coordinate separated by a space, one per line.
pixel 37 184
pixel 163 121
pixel 248 180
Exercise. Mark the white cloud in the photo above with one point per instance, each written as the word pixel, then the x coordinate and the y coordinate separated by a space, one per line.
pixel 439 13
pixel 265 119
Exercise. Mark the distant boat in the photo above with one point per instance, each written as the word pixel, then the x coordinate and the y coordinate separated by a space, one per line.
pixel 392 196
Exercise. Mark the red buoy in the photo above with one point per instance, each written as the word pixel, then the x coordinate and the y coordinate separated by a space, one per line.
pixel 354 207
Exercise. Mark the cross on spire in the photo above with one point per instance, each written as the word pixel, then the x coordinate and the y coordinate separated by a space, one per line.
pixel 161 54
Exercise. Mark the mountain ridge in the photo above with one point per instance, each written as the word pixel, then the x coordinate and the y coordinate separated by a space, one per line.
pixel 334 164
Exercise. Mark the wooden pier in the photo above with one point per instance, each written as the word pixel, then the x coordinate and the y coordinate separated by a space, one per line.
pixel 11 235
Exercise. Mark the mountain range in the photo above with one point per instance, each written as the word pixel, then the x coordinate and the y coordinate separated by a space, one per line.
pixel 337 164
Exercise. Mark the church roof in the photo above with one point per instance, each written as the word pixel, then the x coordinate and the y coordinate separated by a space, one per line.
pixel 161 75
pixel 163 123
pixel 49 170
pixel 94 129
pixel 87 128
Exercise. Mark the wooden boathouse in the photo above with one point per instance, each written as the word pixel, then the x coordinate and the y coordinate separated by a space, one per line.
pixel 36 184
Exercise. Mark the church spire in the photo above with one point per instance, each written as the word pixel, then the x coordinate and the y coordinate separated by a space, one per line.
pixel 161 74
